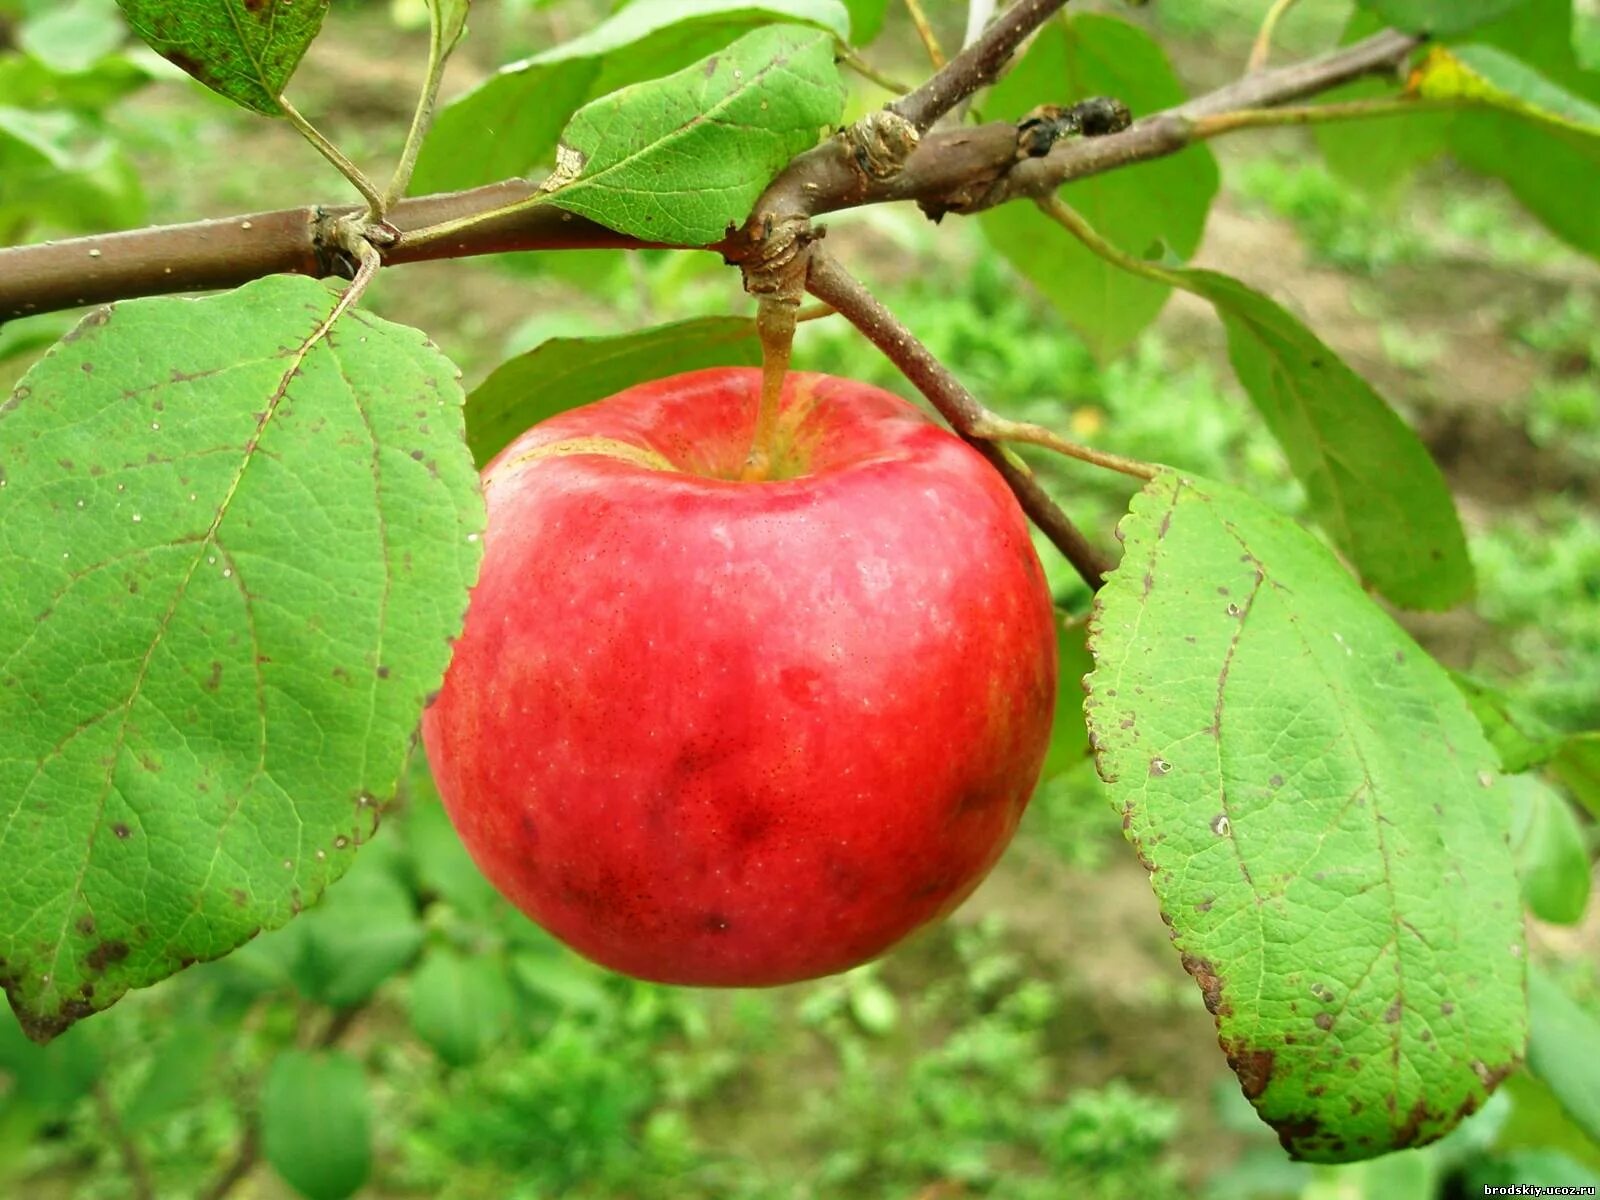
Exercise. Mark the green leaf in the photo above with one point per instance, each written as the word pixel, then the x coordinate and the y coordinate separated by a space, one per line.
pixel 1563 1048
pixel 316 1124
pixel 1577 765
pixel 1147 210
pixel 1485 75
pixel 449 20
pixel 1069 737
pixel 364 931
pixel 50 1079
pixel 1519 737
pixel 1381 160
pixel 1370 481
pixel 1537 1121
pixel 245 50
pixel 1440 18
pixel 866 19
pixel 1551 170
pixel 233 548
pixel 563 373
pixel 460 1006
pixel 510 123
pixel 73 37
pixel 1551 852
pixel 1314 803
pixel 681 159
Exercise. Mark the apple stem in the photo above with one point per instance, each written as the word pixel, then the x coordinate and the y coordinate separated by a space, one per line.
pixel 775 324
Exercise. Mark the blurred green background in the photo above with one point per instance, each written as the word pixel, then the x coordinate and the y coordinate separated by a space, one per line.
pixel 1045 1042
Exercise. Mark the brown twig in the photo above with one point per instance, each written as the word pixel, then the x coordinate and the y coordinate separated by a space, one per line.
pixel 930 41
pixel 127 1149
pixel 976 66
pixel 831 283
pixel 959 170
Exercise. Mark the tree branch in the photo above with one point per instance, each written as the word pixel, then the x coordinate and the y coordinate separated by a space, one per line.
pixel 959 170
pixel 831 283
pixel 977 66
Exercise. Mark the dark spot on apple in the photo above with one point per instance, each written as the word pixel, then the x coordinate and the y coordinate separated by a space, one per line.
pixel 1323 1020
pixel 105 954
pixel 715 922
pixel 121 830
pixel 749 825
pixel 800 685
pixel 529 828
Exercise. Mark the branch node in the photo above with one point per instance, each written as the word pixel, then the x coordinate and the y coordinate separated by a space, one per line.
pixel 880 143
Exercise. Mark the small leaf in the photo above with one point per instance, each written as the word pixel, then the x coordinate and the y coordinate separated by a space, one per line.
pixel 1563 1048
pixel 1520 738
pixel 1313 801
pixel 874 1007
pixel 1440 18
pixel 563 373
pixel 1370 481
pixel 1577 765
pixel 1164 201
pixel 460 1006
pixel 316 1124
pixel 234 545
pixel 449 19
pixel 681 159
pixel 245 50
pixel 510 123
pixel 1381 165
pixel 866 19
pixel 364 932
pixel 73 37
pixel 1551 853
pixel 1069 738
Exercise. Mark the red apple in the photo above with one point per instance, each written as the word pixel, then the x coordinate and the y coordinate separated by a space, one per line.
pixel 721 732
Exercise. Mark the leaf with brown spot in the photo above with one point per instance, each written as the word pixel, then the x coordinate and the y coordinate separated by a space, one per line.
pixel 1329 916
pixel 245 50
pixel 168 748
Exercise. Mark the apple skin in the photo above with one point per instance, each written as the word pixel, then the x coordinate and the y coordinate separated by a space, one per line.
pixel 728 733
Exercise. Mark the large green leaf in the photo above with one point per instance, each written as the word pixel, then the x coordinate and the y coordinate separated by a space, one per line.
pixel 681 159
pixel 1550 170
pixel 1441 18
pixel 866 19
pixel 234 545
pixel 1491 77
pixel 510 123
pixel 245 50
pixel 1316 807
pixel 563 373
pixel 316 1123
pixel 1563 1050
pixel 1370 481
pixel 1151 209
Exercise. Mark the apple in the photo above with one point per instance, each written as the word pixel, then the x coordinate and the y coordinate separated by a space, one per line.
pixel 723 731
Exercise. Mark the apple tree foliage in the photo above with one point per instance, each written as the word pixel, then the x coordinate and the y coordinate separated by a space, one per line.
pixel 237 536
